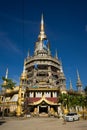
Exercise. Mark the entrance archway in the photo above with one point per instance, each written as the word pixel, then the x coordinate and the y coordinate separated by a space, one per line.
pixel 43 109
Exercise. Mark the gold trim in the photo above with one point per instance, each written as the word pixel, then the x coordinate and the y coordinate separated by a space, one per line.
pixel 43 99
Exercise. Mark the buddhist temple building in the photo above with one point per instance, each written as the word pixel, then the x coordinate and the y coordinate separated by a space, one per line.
pixel 41 81
pixel 43 77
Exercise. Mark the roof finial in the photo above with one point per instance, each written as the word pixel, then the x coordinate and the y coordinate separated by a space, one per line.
pixel 71 88
pixel 56 55
pixel 78 84
pixel 61 67
pixel 42 33
pixel 23 75
pixel 42 23
pixel 78 76
pixel 6 76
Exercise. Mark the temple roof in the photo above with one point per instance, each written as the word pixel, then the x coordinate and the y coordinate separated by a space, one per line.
pixel 37 100
pixel 14 98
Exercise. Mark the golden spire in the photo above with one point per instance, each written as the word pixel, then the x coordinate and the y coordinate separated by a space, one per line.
pixel 42 24
pixel 23 75
pixel 6 76
pixel 42 33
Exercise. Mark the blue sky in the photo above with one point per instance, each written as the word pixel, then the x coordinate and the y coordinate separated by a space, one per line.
pixel 65 27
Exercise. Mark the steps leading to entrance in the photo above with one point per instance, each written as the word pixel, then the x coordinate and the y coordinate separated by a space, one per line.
pixel 43 115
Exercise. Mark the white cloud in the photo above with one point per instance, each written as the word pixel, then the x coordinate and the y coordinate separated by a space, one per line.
pixel 12 46
pixel 16 19
pixel 6 43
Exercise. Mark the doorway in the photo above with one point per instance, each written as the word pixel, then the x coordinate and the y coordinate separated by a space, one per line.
pixel 43 109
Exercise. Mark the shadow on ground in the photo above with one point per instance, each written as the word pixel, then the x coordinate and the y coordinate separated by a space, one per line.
pixel 2 122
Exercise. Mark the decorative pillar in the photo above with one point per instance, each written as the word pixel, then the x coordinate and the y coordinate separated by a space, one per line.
pixel 19 107
pixel 38 109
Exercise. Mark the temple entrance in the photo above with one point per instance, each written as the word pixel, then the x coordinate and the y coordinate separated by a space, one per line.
pixel 43 109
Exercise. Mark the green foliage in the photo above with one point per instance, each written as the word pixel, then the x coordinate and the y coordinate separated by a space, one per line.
pixel 72 100
pixel 9 83
pixel 63 99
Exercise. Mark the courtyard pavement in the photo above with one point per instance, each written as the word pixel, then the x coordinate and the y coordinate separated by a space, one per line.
pixel 41 124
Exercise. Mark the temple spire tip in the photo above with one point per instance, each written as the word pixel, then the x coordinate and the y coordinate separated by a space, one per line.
pixel 6 76
pixel 42 32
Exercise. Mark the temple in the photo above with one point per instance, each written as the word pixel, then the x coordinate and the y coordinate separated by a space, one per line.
pixel 41 81
pixel 43 77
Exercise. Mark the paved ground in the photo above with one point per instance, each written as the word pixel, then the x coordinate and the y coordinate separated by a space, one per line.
pixel 42 124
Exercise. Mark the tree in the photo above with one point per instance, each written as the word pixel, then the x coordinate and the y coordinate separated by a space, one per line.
pixel 63 99
pixel 10 84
